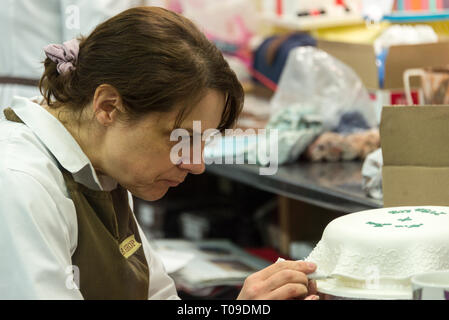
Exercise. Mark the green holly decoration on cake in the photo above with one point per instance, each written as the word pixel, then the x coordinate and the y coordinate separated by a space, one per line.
pixel 422 210
pixel 399 211
pixel 378 225
pixel 381 225
pixel 433 212
pixel 407 218
pixel 415 225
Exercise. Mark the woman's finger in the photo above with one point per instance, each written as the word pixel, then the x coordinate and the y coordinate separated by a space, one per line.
pixel 289 291
pixel 313 289
pixel 284 277
pixel 301 266
pixel 312 297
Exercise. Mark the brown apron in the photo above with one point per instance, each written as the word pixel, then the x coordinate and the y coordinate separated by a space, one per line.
pixel 109 254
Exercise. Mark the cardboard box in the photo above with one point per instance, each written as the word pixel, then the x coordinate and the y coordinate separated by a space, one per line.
pixel 362 59
pixel 415 149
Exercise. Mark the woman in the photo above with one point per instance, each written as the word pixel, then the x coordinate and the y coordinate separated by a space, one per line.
pixel 102 129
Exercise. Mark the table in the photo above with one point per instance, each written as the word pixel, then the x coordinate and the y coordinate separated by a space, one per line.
pixel 333 186
pixel 329 187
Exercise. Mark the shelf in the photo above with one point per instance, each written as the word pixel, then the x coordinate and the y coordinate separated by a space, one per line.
pixel 312 23
pixel 333 186
pixel 409 17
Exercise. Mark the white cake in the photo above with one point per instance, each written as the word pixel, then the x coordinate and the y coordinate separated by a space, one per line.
pixel 374 253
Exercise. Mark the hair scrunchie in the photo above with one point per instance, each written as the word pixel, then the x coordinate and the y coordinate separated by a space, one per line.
pixel 65 55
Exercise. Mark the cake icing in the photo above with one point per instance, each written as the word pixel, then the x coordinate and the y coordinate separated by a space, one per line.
pixel 382 249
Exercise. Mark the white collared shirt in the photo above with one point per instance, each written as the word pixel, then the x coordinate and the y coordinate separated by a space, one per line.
pixel 38 224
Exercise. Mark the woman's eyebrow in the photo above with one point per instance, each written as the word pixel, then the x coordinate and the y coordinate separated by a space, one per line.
pixel 190 130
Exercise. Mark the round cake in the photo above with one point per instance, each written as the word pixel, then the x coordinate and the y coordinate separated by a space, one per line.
pixel 374 253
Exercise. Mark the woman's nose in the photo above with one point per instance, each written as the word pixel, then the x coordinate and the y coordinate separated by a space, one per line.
pixel 193 168
pixel 194 163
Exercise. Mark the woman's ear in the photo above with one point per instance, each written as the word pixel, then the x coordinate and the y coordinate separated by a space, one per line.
pixel 107 104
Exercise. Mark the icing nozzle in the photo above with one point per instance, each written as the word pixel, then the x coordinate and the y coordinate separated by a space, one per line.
pixel 318 276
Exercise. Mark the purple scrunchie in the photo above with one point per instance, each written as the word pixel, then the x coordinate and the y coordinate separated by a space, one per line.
pixel 65 55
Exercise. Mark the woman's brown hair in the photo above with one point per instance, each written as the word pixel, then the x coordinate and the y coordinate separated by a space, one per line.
pixel 155 58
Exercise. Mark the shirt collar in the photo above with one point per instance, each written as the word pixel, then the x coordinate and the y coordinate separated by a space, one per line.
pixel 58 141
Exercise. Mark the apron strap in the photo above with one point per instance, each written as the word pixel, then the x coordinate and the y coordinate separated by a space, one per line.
pixel 11 115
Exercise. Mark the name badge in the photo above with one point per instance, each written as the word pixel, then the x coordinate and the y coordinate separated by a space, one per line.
pixel 129 246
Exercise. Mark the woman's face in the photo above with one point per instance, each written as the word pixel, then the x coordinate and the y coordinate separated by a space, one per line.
pixel 137 155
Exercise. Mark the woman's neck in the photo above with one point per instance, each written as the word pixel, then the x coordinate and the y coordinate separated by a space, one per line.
pixel 86 134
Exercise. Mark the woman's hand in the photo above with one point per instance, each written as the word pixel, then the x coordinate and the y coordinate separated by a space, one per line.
pixel 281 281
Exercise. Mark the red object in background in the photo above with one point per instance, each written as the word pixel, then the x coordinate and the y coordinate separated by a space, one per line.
pixel 263 79
pixel 279 7
pixel 268 254
pixel 398 98
pixel 343 4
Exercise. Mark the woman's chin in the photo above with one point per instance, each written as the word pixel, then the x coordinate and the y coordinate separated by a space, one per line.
pixel 151 195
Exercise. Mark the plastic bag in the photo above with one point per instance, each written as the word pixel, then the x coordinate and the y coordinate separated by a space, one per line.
pixel 317 83
pixel 372 175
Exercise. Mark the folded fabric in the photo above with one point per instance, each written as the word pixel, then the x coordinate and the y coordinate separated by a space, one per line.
pixel 284 139
pixel 332 146
pixel 296 129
